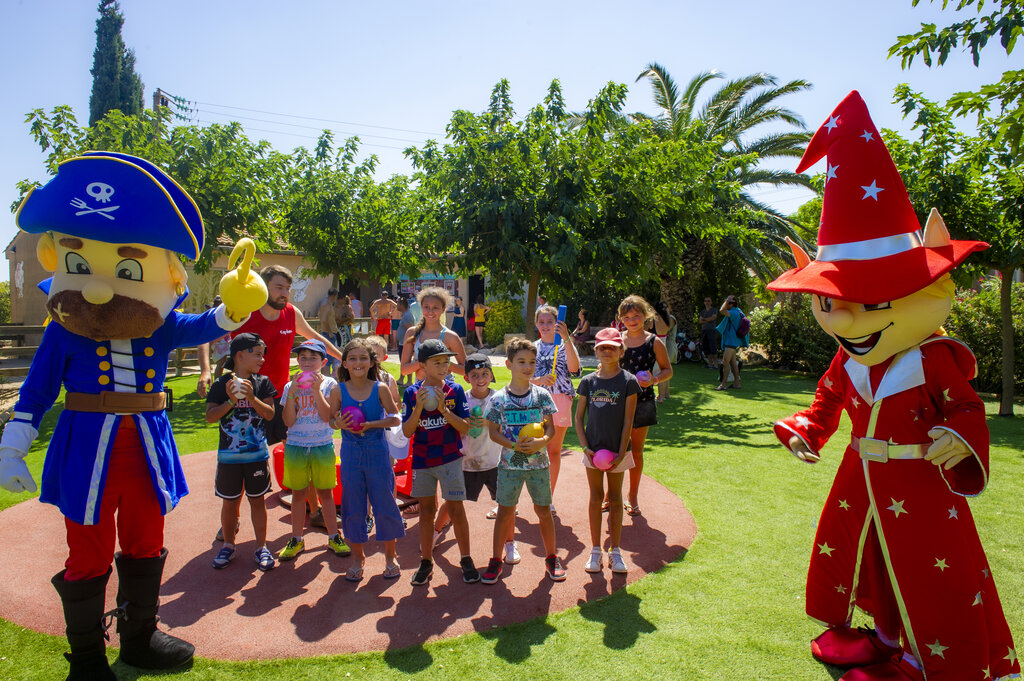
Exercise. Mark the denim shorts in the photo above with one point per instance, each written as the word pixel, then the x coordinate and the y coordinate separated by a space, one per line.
pixel 511 481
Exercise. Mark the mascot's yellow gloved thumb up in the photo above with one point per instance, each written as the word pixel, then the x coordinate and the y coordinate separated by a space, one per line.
pixel 241 289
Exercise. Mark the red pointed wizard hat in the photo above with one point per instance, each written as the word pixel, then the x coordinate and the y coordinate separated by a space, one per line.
pixel 870 245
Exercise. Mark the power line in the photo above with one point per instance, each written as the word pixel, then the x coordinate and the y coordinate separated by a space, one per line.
pixel 324 120
pixel 309 127
pixel 298 134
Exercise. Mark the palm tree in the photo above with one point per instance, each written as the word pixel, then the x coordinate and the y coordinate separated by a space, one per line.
pixel 729 116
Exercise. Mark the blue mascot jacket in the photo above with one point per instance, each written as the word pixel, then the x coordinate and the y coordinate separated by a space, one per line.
pixel 75 469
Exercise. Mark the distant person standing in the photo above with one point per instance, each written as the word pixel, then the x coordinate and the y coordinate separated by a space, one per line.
pixel 380 311
pixel 480 319
pixel 344 315
pixel 729 327
pixel 357 305
pixel 329 323
pixel 708 334
pixel 458 324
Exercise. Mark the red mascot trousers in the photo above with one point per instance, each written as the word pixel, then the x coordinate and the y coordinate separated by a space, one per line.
pixel 129 493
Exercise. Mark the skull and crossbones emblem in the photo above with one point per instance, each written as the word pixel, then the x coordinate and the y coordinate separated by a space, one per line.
pixel 101 193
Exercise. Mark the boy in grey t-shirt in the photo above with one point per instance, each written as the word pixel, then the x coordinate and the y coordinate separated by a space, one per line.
pixel 607 402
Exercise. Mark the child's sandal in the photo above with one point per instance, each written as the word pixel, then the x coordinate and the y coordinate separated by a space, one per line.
pixel 354 573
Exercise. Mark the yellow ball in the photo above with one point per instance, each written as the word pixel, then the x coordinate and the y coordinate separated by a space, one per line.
pixel 531 430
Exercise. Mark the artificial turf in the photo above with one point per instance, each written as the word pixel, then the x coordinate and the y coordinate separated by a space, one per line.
pixel 729 608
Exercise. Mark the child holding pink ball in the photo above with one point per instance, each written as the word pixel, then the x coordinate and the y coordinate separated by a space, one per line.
pixel 309 449
pixel 604 420
pixel 366 471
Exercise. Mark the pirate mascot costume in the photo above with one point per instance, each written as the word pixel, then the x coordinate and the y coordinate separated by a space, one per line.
pixel 112 227
pixel 896 537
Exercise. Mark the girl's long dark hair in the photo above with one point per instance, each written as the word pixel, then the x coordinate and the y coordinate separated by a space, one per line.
pixel 374 372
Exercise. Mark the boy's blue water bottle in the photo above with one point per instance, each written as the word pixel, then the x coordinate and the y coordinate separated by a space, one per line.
pixel 561 318
pixel 476 411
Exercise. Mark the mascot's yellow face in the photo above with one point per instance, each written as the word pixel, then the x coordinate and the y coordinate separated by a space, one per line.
pixel 871 334
pixel 109 291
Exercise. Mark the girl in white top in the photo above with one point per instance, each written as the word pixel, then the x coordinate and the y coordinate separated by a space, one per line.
pixel 433 302
pixel 554 366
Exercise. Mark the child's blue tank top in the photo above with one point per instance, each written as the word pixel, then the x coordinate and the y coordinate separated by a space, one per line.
pixel 371 408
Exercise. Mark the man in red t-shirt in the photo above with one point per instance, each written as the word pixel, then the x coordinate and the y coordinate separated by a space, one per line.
pixel 276 323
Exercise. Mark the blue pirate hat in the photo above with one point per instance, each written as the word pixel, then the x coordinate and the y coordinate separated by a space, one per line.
pixel 117 198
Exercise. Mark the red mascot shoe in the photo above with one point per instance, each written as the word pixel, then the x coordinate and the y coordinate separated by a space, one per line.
pixel 897 669
pixel 846 647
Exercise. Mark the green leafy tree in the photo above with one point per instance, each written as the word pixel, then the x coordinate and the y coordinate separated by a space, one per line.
pixel 1005 21
pixel 732 120
pixel 975 184
pixel 115 84
pixel 345 221
pixel 554 197
pixel 239 185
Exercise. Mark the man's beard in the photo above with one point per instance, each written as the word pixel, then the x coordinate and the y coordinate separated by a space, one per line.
pixel 120 318
pixel 278 303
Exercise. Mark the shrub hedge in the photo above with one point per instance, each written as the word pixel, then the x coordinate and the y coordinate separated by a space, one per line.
pixel 976 320
pixel 506 316
pixel 790 337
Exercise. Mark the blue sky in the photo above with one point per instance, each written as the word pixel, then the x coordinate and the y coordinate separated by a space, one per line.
pixel 405 66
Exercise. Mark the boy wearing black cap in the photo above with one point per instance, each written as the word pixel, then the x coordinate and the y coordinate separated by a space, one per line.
pixel 435 419
pixel 242 402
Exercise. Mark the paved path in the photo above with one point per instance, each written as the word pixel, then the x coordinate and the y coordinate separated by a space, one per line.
pixel 305 607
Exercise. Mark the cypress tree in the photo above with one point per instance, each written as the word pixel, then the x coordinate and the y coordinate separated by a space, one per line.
pixel 115 84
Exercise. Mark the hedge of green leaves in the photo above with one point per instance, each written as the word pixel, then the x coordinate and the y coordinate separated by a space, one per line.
pixel 506 316
pixel 790 337
pixel 975 319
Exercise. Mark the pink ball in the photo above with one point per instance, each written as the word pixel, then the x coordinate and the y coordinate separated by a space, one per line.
pixel 305 380
pixel 603 458
pixel 644 376
pixel 356 414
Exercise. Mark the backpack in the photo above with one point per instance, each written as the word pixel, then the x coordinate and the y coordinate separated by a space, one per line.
pixel 744 328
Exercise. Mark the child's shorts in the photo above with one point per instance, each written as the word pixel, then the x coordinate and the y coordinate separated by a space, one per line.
pixel 624 465
pixel 232 478
pixel 448 475
pixel 303 465
pixel 511 481
pixel 477 480
pixel 563 417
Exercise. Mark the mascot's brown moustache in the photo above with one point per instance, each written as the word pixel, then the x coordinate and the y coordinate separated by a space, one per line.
pixel 120 317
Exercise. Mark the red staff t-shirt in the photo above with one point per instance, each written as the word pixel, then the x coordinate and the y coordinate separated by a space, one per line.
pixel 279 335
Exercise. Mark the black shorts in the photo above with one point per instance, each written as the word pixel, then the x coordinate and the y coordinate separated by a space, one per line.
pixel 480 325
pixel 275 428
pixel 477 480
pixel 254 477
pixel 646 414
pixel 709 341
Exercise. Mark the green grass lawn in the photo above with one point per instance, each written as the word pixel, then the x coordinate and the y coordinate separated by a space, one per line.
pixel 729 608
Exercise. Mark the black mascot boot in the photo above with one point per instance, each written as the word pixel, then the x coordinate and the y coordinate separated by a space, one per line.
pixel 83 616
pixel 138 594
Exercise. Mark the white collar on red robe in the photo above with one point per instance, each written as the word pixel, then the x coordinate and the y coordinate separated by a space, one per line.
pixel 905 372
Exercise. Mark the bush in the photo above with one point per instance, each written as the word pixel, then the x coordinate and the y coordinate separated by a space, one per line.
pixel 506 316
pixel 976 320
pixel 790 337
pixel 5 302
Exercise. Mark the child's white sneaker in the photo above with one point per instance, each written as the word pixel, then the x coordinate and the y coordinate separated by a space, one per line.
pixel 511 553
pixel 594 563
pixel 616 561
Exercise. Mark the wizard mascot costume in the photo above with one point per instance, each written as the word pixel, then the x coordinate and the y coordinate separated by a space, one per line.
pixel 112 228
pixel 896 537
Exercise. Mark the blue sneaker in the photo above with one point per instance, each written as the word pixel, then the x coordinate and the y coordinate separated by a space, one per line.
pixel 265 559
pixel 223 557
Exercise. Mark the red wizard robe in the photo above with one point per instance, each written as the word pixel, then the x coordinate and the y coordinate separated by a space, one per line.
pixel 894 519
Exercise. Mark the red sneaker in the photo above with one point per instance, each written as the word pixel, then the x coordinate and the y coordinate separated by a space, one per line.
pixel 897 669
pixel 846 647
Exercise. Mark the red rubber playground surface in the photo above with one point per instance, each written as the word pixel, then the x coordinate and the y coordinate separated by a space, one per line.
pixel 305 607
